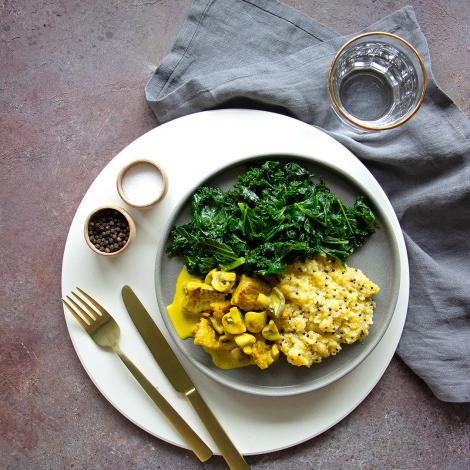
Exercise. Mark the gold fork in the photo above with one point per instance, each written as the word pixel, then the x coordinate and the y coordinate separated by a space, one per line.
pixel 105 332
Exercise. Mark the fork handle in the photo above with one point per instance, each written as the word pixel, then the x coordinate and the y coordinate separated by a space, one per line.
pixel 197 445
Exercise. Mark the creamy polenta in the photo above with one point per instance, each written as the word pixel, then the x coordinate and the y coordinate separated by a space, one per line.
pixel 327 304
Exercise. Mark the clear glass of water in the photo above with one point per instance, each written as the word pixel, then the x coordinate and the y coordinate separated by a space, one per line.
pixel 377 81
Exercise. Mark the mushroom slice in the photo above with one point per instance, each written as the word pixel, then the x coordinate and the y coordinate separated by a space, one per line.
pixel 276 303
pixel 223 281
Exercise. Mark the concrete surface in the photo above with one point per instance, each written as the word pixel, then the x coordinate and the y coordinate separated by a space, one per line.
pixel 71 96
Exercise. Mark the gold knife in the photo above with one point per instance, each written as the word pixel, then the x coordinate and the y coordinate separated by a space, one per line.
pixel 179 378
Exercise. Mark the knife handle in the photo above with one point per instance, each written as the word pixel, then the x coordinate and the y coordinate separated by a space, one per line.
pixel 197 445
pixel 229 452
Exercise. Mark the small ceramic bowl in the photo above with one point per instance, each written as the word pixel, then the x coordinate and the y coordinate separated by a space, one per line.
pixel 379 259
pixel 123 213
pixel 142 183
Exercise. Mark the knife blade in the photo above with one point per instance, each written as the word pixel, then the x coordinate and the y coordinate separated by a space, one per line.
pixel 178 377
pixel 156 342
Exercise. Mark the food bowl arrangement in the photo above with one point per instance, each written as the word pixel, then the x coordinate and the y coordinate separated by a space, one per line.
pixel 378 259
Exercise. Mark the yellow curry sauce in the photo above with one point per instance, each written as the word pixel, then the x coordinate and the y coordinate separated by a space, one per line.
pixel 184 325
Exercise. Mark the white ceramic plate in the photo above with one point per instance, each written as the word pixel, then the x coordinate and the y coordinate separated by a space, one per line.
pixel 189 149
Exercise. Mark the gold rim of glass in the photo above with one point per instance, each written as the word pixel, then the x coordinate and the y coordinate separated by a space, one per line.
pixel 357 122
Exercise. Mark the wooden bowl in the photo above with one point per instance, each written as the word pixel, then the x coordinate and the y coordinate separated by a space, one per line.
pixel 122 176
pixel 130 221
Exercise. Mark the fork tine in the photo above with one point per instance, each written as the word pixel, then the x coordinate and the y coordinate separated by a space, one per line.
pixel 94 302
pixel 89 309
pixel 80 320
pixel 87 316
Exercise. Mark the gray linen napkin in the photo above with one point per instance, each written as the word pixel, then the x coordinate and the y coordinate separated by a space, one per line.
pixel 264 54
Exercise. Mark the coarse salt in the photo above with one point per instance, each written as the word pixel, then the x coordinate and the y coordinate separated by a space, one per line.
pixel 142 184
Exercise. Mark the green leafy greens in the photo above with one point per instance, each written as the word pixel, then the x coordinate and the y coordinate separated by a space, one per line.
pixel 273 214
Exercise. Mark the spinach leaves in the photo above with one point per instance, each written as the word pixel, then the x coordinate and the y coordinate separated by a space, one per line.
pixel 273 214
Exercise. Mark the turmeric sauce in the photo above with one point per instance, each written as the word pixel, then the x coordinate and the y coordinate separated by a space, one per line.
pixel 184 324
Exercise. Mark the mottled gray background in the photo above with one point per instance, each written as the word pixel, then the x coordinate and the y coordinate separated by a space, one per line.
pixel 72 75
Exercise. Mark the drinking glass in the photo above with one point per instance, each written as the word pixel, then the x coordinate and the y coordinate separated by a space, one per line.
pixel 377 81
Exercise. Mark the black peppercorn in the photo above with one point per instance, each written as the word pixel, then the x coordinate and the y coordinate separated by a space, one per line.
pixel 108 230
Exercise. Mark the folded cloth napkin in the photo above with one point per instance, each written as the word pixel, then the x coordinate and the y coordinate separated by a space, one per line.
pixel 266 55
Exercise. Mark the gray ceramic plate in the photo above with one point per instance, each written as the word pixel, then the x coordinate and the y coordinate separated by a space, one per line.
pixel 378 259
